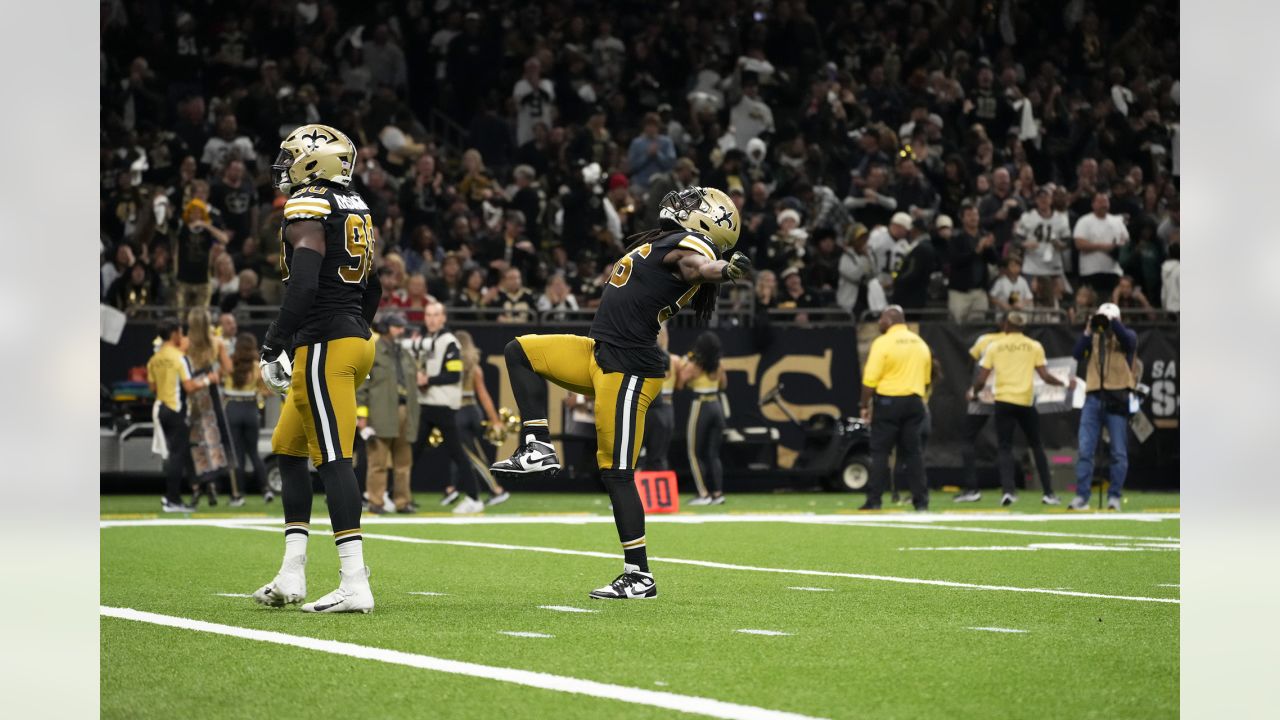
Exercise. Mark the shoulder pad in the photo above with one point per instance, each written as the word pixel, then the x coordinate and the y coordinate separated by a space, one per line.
pixel 698 243
pixel 311 202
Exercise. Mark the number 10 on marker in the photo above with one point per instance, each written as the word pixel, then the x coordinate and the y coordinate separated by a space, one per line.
pixel 659 492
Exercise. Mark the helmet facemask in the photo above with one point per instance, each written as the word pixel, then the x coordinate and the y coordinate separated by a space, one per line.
pixel 280 170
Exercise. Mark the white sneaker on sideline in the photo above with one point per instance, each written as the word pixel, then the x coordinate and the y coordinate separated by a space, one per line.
pixel 700 500
pixel 1008 499
pixel 469 506
pixel 1079 503
pixel 353 595
pixel 1050 500
pixel 498 499
pixel 1113 503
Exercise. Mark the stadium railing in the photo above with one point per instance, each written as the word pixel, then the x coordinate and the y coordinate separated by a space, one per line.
pixel 727 314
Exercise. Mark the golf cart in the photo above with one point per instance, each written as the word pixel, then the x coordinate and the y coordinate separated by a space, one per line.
pixel 836 453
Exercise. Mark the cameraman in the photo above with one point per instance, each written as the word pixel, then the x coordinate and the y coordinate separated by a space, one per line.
pixel 1108 352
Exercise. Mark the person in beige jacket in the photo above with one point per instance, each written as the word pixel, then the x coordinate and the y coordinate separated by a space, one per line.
pixel 387 416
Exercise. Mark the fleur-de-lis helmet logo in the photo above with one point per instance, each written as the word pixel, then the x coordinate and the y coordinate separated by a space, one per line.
pixel 725 217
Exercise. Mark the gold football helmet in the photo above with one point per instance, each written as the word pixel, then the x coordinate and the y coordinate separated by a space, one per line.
pixel 707 211
pixel 313 152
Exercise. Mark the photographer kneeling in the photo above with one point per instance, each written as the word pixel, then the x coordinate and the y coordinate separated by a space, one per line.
pixel 1108 352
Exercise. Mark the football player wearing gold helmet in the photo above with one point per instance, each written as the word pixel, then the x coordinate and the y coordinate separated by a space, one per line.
pixel 326 259
pixel 620 363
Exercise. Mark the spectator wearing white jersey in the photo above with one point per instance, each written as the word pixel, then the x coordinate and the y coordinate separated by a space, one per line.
pixel 535 98
pixel 1044 234
pixel 1098 237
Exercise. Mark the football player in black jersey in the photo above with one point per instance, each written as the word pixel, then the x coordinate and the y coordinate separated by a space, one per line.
pixel 318 350
pixel 620 363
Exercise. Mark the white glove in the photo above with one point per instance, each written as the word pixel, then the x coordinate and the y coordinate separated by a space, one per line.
pixel 278 373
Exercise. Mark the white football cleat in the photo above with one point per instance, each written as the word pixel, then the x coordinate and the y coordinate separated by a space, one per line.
pixel 469 506
pixel 288 587
pixel 353 595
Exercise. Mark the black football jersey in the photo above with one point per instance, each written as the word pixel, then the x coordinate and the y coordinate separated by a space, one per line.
pixel 641 294
pixel 348 259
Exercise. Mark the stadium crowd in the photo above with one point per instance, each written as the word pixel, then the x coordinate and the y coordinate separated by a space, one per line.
pixel 877 151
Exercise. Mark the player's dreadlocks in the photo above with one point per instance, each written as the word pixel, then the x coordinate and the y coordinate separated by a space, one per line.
pixel 704 301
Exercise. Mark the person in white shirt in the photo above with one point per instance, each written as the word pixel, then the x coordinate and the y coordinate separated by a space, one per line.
pixel 1045 234
pixel 1098 237
pixel 535 97
pixel 1011 291
pixel 1170 279
pixel 857 270
pixel 751 116
pixel 884 239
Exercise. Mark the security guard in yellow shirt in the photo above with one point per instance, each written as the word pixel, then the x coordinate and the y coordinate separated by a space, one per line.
pixel 894 381
pixel 974 422
pixel 1016 359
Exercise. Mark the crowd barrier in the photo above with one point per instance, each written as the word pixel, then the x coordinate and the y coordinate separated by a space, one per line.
pixel 818 362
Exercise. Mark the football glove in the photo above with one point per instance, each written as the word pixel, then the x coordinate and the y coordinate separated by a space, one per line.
pixel 737 266
pixel 277 370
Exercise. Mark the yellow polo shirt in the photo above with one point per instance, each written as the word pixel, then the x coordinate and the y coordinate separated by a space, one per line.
pixel 1014 359
pixel 899 364
pixel 982 343
pixel 166 369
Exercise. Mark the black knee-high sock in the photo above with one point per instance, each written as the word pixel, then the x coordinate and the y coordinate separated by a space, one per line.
pixel 628 515
pixel 296 496
pixel 530 391
pixel 343 494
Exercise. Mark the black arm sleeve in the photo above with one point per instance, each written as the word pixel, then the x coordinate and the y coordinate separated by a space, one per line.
pixel 304 278
pixel 452 357
pixel 372 297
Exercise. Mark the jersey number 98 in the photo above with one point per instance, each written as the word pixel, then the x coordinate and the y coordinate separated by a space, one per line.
pixel 359 237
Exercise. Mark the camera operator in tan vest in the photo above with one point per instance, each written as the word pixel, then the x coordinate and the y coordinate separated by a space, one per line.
pixel 1108 353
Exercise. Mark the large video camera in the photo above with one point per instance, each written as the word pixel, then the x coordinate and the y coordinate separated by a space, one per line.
pixel 1100 323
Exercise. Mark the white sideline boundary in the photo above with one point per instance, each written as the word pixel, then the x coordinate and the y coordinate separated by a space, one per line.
pixel 545 681
pixel 729 566
pixel 904 520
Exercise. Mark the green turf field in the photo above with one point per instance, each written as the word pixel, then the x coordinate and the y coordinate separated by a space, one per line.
pixel 980 613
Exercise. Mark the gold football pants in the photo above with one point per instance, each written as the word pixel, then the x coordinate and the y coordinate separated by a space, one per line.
pixel 621 399
pixel 318 416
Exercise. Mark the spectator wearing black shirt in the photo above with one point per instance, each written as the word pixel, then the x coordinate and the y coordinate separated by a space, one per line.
pixel 196 237
pixel 913 193
pixel 234 195
pixel 134 290
pixel 1000 209
pixel 795 295
pixel 822 267
pixel 247 295
pixel 969 252
pixel 517 302
pixel 911 285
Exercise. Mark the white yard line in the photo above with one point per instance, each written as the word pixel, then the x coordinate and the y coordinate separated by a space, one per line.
pixel 566 608
pixel 730 566
pixel 747 631
pixel 996 630
pixel 1140 547
pixel 235 595
pixel 812 589
pixel 1033 533
pixel 905 520
pixel 1172 585
pixel 546 681
pixel 428 593
pixel 521 633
